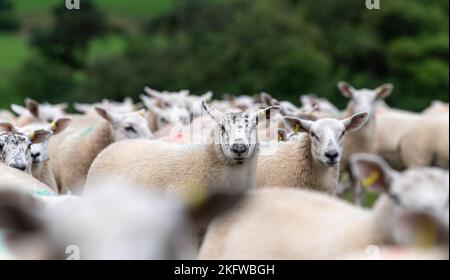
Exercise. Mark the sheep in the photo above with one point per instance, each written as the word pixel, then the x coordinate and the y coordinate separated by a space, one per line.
pixel 313 160
pixel 11 177
pixel 320 107
pixel 361 141
pixel 73 151
pixel 391 126
pixel 126 106
pixel 227 159
pixel 15 145
pixel 182 99
pixel 35 112
pixel 40 167
pixel 425 142
pixel 286 223
pixel 109 222
pixel 166 118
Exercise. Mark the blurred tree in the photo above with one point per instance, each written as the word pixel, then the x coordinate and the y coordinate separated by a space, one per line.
pixel 8 18
pixel 68 39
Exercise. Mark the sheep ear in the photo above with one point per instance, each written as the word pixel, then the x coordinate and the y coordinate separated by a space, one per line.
pixel 59 125
pixel 7 127
pixel 346 89
pixel 62 106
pixel 266 98
pixel 153 108
pixel 282 135
pixel 207 96
pixel 155 94
pixel 39 136
pixel 308 100
pixel 384 91
pixel 128 101
pixel 372 171
pixel 18 212
pixel 203 206
pixel 356 121
pixel 108 116
pixel 19 110
pixel 268 113
pixel 298 125
pixel 213 112
pixel 32 106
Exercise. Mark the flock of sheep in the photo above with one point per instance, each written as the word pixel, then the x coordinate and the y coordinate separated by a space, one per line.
pixel 179 176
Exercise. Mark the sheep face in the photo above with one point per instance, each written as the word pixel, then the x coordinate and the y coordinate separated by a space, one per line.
pixel 126 126
pixel 238 134
pixel 45 112
pixel 171 115
pixel 327 135
pixel 419 197
pixel 364 100
pixel 15 146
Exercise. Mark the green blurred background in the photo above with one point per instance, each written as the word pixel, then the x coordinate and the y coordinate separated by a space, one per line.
pixel 113 48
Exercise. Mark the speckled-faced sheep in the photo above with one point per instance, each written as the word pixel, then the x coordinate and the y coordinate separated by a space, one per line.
pixel 283 223
pixel 15 145
pixel 73 151
pixel 227 159
pixel 313 160
pixel 40 166
pixel 110 222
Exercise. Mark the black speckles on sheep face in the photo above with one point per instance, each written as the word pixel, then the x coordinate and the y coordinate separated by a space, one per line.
pixel 15 149
pixel 238 136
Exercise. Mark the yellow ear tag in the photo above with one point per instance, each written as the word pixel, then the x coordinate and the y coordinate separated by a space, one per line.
pixel 297 127
pixel 196 198
pixel 32 135
pixel 53 125
pixel 371 179
pixel 141 113
pixel 280 138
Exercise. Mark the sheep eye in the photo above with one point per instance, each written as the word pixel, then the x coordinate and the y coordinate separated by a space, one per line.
pixel 130 129
pixel 342 134
pixel 314 135
pixel 1 147
pixel 223 128
pixel 164 120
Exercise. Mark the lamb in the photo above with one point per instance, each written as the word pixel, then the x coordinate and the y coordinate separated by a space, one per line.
pixel 40 167
pixel 227 159
pixel 286 223
pixel 15 145
pixel 73 151
pixel 312 161
pixel 110 222
pixel 425 142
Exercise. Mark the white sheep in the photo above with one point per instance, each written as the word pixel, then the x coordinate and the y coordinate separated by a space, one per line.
pixel 313 160
pixel 425 142
pixel 73 150
pixel 361 100
pixel 35 112
pixel 227 159
pixel 11 177
pixel 283 223
pixel 112 221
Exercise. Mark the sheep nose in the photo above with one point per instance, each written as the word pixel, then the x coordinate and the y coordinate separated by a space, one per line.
pixel 332 155
pixel 19 166
pixel 36 155
pixel 239 148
